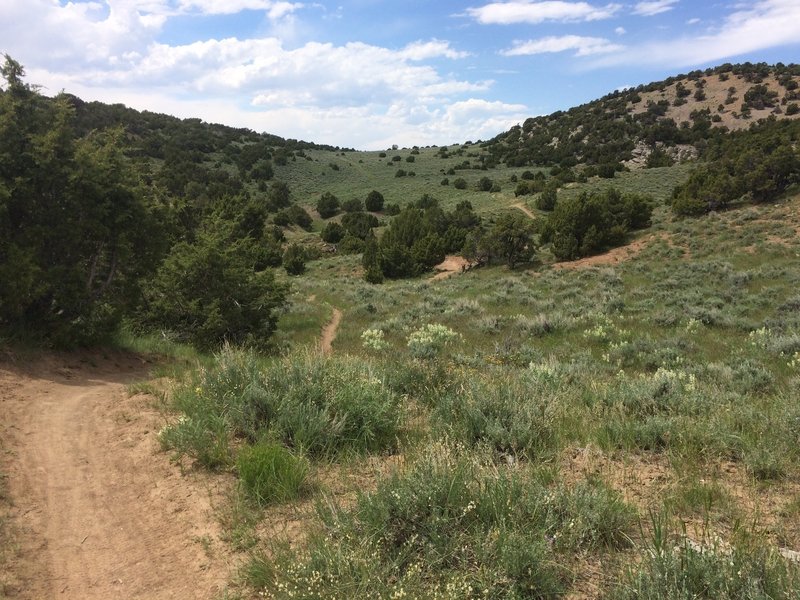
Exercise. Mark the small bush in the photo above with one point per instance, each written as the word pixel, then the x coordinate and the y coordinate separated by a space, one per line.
pixel 270 473
pixel 687 571
pixel 460 183
pixel 450 526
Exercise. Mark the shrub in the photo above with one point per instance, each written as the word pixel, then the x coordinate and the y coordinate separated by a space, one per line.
pixel 449 527
pixel 429 340
pixel 294 260
pixel 460 183
pixel 509 417
pixel 269 473
pixel 686 571
pixel 547 199
pixel 374 201
pixel 400 173
pixel 333 233
pixel 484 184
pixel 359 224
pixel 299 216
pixel 207 293
pixel 592 222
pixel 353 205
pixel 317 405
pixel 351 245
pixel 327 205
pixel 392 209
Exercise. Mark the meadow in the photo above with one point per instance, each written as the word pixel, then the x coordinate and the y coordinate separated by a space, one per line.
pixel 621 427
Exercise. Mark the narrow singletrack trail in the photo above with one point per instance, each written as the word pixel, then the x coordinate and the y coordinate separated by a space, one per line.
pixel 329 332
pixel 100 512
pixel 524 209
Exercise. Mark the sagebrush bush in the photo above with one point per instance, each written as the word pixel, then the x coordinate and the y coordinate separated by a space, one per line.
pixel 319 405
pixel 746 572
pixel 450 526
pixel 511 417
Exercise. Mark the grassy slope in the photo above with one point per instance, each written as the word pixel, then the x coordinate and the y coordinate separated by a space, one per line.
pixel 722 459
pixel 667 371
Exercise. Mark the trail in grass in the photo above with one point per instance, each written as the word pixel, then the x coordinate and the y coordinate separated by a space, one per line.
pixel 525 209
pixel 99 511
pixel 329 332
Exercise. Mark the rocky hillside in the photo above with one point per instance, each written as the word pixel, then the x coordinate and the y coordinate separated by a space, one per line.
pixel 679 116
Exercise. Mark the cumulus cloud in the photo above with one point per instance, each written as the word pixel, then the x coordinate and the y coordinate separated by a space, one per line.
pixel 111 52
pixel 584 46
pixel 654 7
pixel 433 49
pixel 527 11
pixel 752 27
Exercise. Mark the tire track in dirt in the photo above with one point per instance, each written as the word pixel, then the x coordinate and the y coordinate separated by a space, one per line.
pixel 100 511
pixel 329 332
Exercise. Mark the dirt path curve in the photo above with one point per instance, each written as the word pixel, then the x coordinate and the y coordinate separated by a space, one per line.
pixel 451 265
pixel 525 209
pixel 329 332
pixel 100 512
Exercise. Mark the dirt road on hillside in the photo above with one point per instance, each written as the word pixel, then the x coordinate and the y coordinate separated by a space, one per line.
pixel 98 511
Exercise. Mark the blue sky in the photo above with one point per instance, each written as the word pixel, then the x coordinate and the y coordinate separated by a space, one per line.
pixel 372 73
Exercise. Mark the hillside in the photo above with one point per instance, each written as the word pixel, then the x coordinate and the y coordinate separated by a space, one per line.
pixel 682 111
pixel 506 369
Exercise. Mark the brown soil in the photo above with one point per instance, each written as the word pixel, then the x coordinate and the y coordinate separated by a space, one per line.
pixel 525 209
pixel 613 256
pixel 329 332
pixel 449 266
pixel 97 510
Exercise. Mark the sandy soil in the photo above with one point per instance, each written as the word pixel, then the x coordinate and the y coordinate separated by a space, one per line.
pixel 451 265
pixel 329 332
pixel 97 510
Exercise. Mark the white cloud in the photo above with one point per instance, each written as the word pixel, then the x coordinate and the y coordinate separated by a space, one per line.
pixel 694 21
pixel 620 31
pixel 585 46
pixel 527 11
pixel 753 27
pixel 433 49
pixel 274 10
pixel 353 94
pixel 654 7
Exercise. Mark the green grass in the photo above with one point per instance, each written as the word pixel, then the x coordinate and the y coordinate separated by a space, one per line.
pixel 450 526
pixel 269 473
pixel 676 359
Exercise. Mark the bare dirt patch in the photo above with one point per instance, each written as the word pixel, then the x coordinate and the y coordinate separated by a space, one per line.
pixel 449 266
pixel 98 511
pixel 613 256
pixel 329 332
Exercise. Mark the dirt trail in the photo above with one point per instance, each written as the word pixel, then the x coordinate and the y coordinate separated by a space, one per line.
pixel 525 209
pixel 329 332
pixel 451 265
pixel 615 255
pixel 99 512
